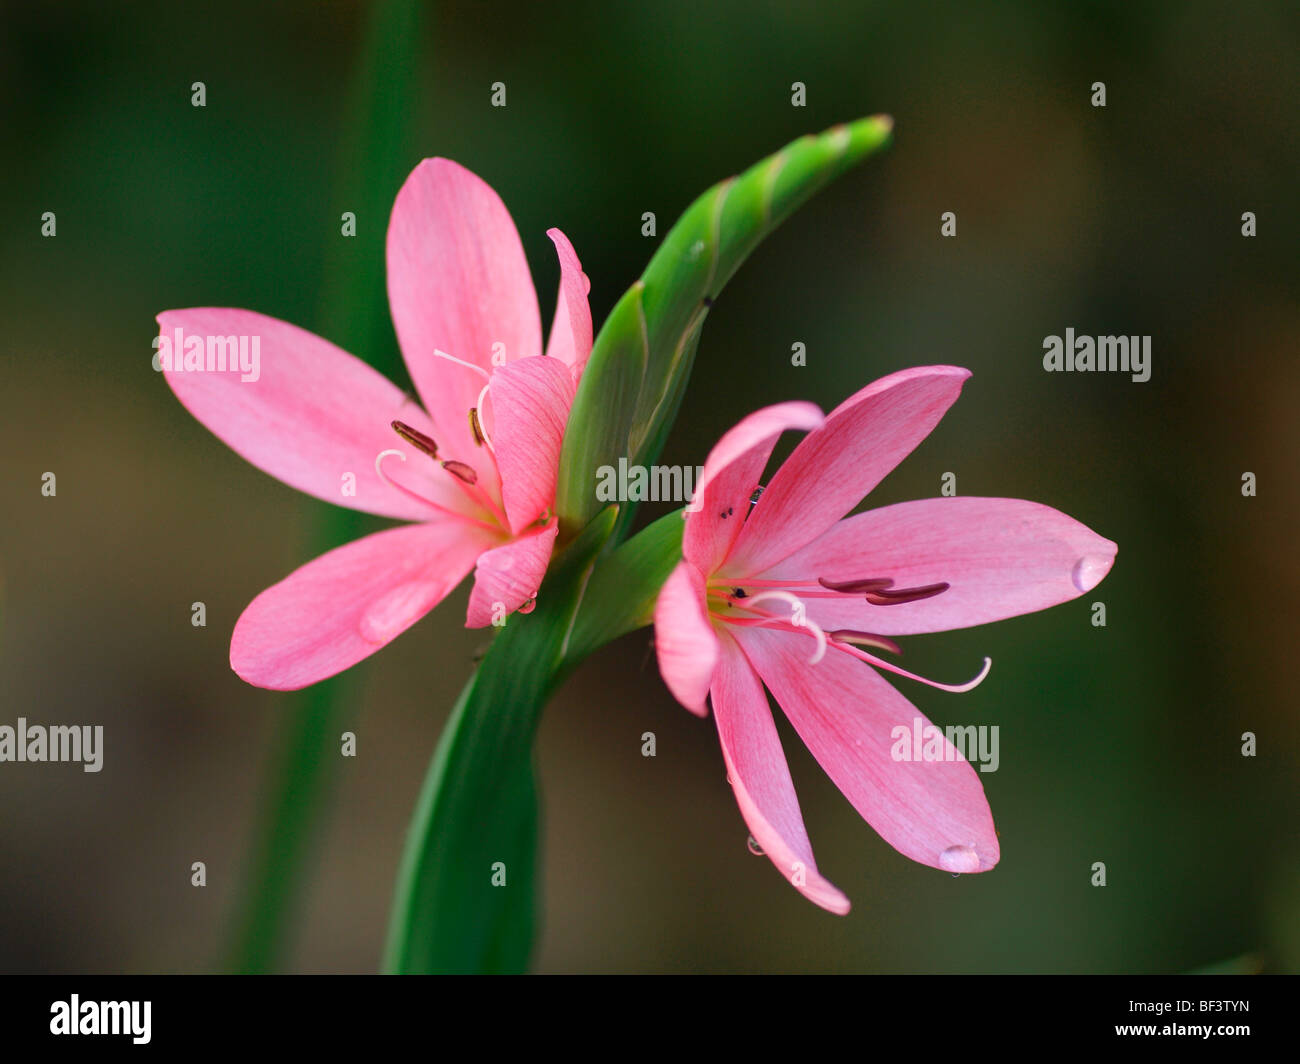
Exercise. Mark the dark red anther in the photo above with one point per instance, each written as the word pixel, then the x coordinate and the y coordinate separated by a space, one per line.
pixel 461 470
pixel 897 596
pixel 880 591
pixel 852 587
pixel 416 438
pixel 871 639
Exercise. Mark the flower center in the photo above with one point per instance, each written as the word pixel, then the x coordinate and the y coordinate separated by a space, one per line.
pixel 465 476
pixel 739 605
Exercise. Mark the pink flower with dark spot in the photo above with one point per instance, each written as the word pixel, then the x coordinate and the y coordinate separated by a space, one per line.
pixel 474 469
pixel 793 596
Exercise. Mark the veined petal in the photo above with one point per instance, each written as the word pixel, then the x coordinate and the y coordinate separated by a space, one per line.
pixel 458 282
pixel 530 400
pixel 835 467
pixel 685 644
pixel 1000 558
pixel 761 780
pixel 731 472
pixel 343 606
pixel 571 333
pixel 509 576
pixel 852 720
pixel 315 417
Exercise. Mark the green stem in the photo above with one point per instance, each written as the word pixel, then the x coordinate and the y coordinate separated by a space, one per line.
pixel 466 898
pixel 354 314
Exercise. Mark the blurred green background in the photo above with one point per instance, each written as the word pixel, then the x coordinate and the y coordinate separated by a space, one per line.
pixel 1119 744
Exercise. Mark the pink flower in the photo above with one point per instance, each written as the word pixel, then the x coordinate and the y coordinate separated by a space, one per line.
pixel 476 472
pixel 787 596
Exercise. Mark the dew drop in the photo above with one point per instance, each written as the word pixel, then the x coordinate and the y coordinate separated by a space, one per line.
pixel 1089 570
pixel 754 847
pixel 958 859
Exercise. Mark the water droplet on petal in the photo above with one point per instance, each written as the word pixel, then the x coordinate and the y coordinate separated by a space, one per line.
pixel 754 847
pixel 395 611
pixel 1089 570
pixel 958 859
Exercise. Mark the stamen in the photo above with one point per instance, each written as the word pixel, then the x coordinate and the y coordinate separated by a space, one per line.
pixel 468 365
pixel 864 639
pixel 852 587
pixel 461 471
pixel 416 438
pixel 379 471
pixel 880 591
pixel 482 429
pixel 897 596
pixel 960 688
pixel 798 617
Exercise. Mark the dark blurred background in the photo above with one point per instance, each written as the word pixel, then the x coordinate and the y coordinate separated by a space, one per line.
pixel 1119 744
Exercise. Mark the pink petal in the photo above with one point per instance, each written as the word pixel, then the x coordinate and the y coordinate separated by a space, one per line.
pixel 934 812
pixel 529 402
pixel 457 282
pixel 834 468
pixel 571 334
pixel 760 778
pixel 315 417
pixel 508 577
pixel 1001 558
pixel 685 644
pixel 731 472
pixel 346 604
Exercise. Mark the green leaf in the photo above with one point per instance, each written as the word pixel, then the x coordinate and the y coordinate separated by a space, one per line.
pixel 616 380
pixel 649 353
pixel 622 591
pixel 477 811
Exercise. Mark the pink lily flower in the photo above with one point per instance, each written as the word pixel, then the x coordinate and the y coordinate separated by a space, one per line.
pixel 789 594
pixel 475 469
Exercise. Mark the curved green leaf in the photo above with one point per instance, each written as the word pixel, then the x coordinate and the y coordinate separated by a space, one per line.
pixel 621 594
pixel 649 353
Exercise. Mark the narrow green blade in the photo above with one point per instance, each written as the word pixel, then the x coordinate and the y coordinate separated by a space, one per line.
pixel 622 591
pixel 647 345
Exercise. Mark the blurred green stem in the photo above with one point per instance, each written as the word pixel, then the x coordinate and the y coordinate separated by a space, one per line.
pixel 354 314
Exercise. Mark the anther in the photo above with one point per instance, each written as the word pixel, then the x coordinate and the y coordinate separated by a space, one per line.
pixel 864 639
pixel 416 438
pixel 897 596
pixel 461 471
pixel 852 587
pixel 476 427
pixel 880 591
